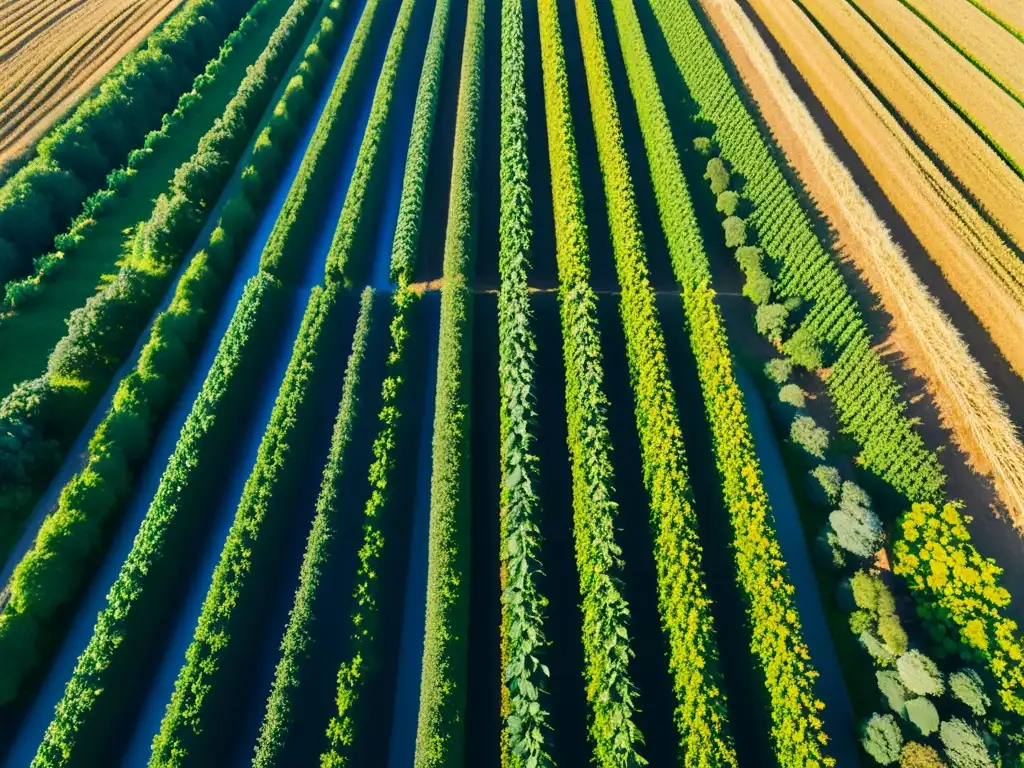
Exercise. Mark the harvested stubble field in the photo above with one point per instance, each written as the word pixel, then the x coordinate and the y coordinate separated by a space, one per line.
pixel 987 107
pixel 989 44
pixel 921 332
pixel 51 54
pixel 989 179
pixel 1009 13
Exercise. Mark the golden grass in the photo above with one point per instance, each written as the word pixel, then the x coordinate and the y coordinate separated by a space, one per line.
pixel 995 185
pixel 987 105
pixel 995 48
pixel 1010 12
pixel 52 53
pixel 968 402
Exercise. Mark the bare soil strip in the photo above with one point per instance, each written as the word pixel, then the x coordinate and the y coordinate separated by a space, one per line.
pixel 987 107
pixel 968 404
pixel 52 54
pixel 993 47
pixel 994 185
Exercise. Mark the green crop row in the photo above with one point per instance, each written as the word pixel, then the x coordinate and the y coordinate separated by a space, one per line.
pixel 524 736
pixel 248 543
pixel 18 293
pixel 359 658
pixel 294 228
pixel 701 715
pixel 956 587
pixel 607 650
pixel 776 632
pixel 72 159
pixel 174 510
pixel 298 637
pixel 53 571
pixel 867 398
pixel 441 722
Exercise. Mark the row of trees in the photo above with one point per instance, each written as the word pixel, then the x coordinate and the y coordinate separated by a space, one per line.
pixel 525 736
pixel 19 292
pixel 440 726
pixel 607 648
pixel 72 160
pixel 776 638
pixel 64 553
pixel 812 297
pixel 685 607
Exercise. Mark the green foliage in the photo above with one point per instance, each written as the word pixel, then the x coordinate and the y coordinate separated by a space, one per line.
pixel 735 232
pixel 704 146
pixel 523 643
pixel 51 573
pixel 718 175
pixel 957 589
pixel 750 258
pixel 922 713
pixel 72 159
pixel 439 733
pixel 868 401
pixel 881 738
pixel 828 479
pixel 296 646
pixel 792 395
pixel 727 203
pixel 857 527
pixel 916 755
pixel 803 350
pixel 771 320
pixel 964 746
pixel 892 689
pixel 758 287
pixel 967 687
pixel 805 432
pixel 778 369
pixel 606 641
pixel 776 637
pixel 920 674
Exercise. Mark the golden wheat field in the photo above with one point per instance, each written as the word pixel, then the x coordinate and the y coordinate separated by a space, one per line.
pixel 52 53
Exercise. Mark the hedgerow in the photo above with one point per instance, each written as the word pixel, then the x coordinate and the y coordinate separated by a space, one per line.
pixel 172 511
pixel 777 639
pixel 360 659
pixel 440 727
pixel 607 649
pixel 298 637
pixel 71 160
pixel 523 644
pixel 684 605
pixel 63 555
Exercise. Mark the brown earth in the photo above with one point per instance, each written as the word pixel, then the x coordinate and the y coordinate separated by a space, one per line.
pixel 988 105
pixel 920 336
pixel 990 181
pixel 52 54
pixel 999 51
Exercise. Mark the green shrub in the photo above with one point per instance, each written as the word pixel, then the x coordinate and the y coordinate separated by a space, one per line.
pixel 793 395
pixel 770 320
pixel 778 369
pixel 920 674
pixel 803 350
pixel 922 713
pixel 718 175
pixel 727 202
pixel 967 687
pixel 735 232
pixel 758 287
pixel 750 258
pixel 703 146
pixel 881 738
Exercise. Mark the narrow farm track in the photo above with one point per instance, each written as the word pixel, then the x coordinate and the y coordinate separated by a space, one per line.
pixel 52 54
pixel 995 186
pixel 971 407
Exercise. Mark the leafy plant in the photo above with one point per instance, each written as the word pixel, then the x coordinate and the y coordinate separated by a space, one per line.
pixel 881 738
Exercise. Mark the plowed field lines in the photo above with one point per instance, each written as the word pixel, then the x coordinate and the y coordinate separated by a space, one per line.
pixel 994 184
pixel 51 55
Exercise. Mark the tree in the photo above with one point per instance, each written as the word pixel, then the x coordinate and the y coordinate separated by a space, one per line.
pixel 892 689
pixel 803 350
pixel 922 713
pixel 964 746
pixel 771 321
pixel 858 528
pixel 967 686
pixel 758 287
pixel 828 480
pixel 793 395
pixel 703 145
pixel 749 258
pixel 735 232
pixel 778 369
pixel 727 202
pixel 806 433
pixel 920 674
pixel 876 648
pixel 916 755
pixel 881 738
pixel 718 175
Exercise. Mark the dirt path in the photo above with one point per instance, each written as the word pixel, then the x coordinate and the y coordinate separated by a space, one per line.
pixel 990 181
pixel 921 333
pixel 991 45
pixel 52 54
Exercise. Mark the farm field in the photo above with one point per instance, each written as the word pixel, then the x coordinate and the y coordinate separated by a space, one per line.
pixel 53 53
pixel 508 383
